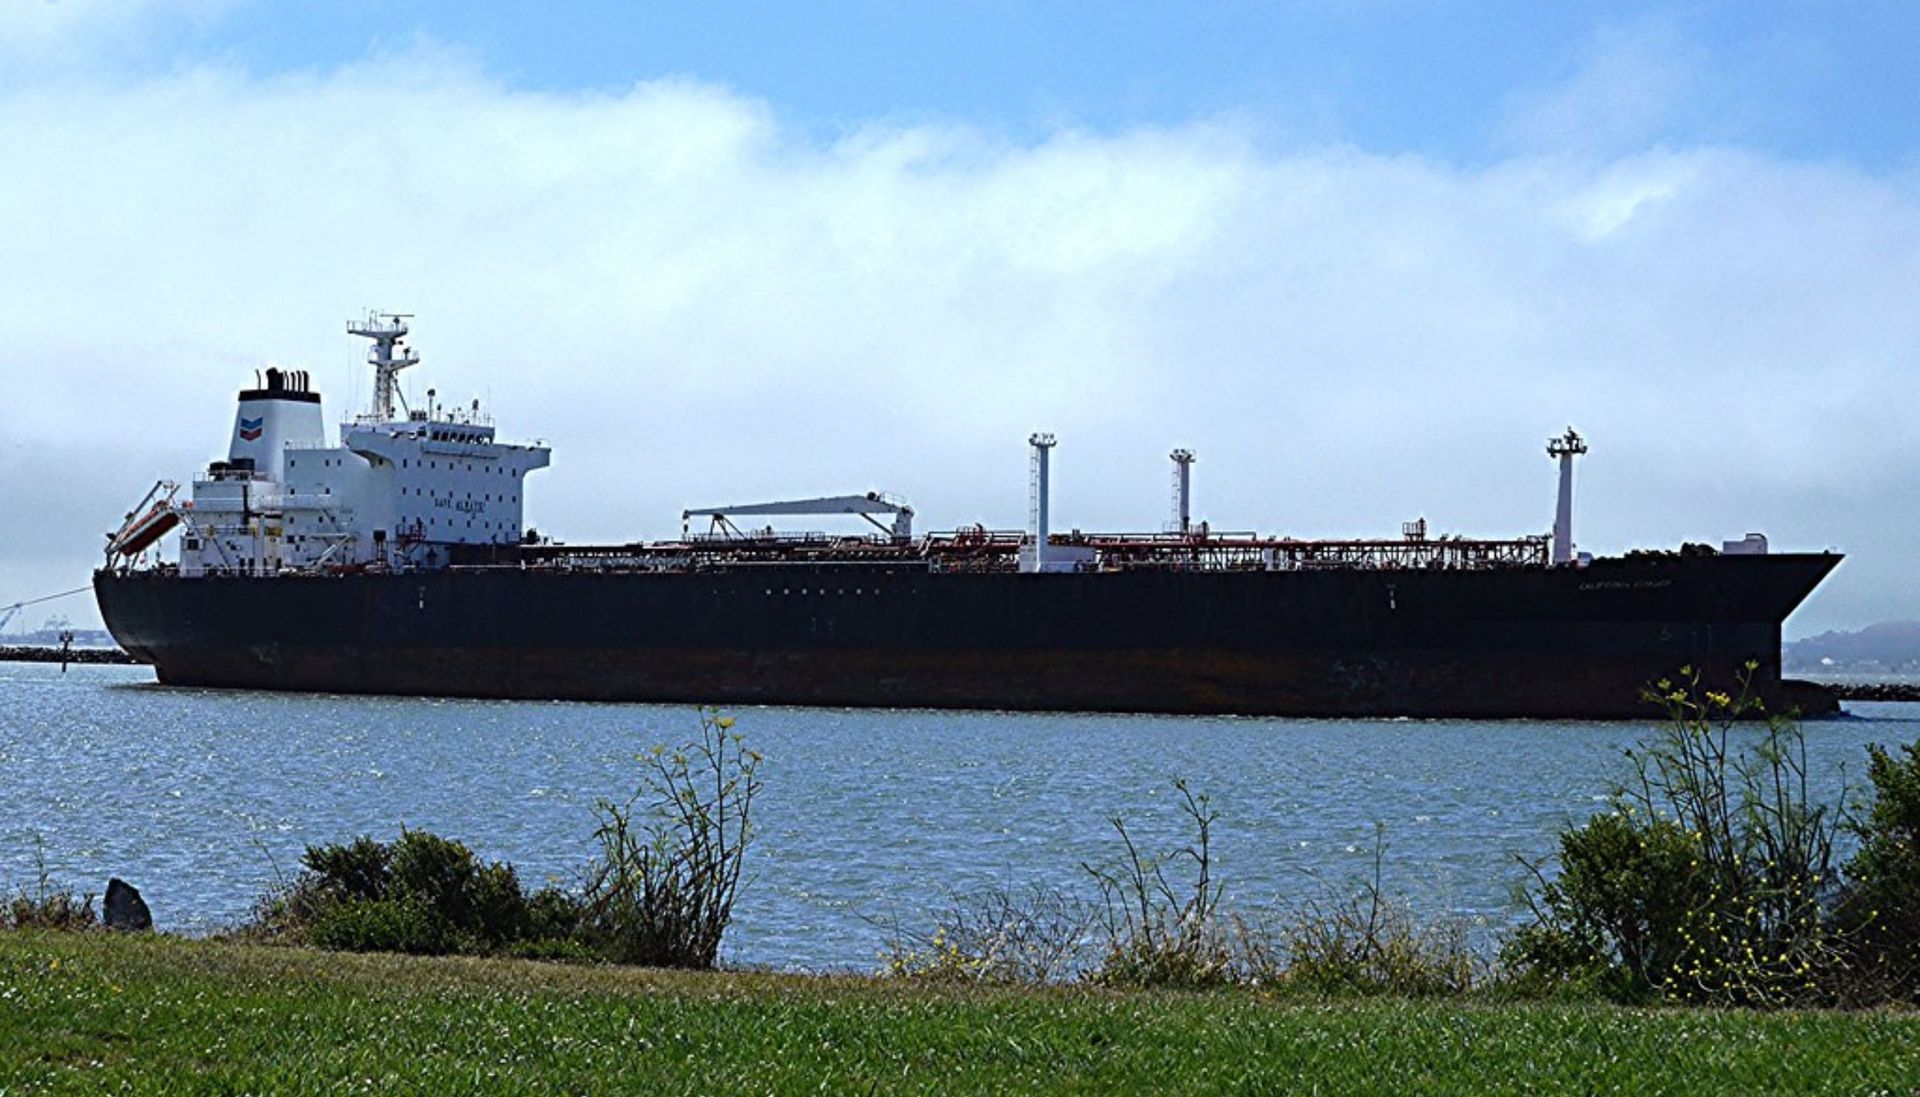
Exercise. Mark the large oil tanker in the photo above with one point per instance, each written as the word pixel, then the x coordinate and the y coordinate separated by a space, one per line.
pixel 397 562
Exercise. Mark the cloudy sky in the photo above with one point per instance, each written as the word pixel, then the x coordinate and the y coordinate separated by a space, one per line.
pixel 1364 257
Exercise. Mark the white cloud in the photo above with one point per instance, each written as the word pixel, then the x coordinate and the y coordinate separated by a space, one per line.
pixel 1634 84
pixel 40 36
pixel 698 304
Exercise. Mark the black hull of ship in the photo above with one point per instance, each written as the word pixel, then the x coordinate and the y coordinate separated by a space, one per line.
pixel 1521 642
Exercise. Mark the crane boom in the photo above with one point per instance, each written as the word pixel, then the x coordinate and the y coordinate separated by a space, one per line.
pixel 866 506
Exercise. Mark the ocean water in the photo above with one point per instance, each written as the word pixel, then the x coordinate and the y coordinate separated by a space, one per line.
pixel 203 798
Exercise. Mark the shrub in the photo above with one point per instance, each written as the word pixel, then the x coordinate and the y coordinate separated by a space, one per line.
pixel 481 902
pixel 43 908
pixel 1879 907
pixel 1365 943
pixel 421 893
pixel 47 905
pixel 997 935
pixel 564 950
pixel 662 888
pixel 661 891
pixel 496 906
pixel 1157 936
pixel 1621 913
pixel 381 925
pixel 1705 881
pixel 1146 929
pixel 360 869
pixel 551 913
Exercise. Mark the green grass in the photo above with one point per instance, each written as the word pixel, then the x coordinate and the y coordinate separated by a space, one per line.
pixel 97 1013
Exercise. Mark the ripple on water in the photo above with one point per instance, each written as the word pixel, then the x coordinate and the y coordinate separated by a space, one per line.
pixel 203 798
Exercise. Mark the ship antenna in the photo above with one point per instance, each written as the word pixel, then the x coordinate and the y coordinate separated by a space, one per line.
pixel 388 356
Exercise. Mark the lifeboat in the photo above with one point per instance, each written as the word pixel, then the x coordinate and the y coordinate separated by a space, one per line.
pixel 143 531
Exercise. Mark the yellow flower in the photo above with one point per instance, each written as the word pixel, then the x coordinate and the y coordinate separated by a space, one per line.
pixel 725 722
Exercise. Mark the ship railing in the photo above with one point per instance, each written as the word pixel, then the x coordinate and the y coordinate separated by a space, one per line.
pixel 766 536
pixel 984 551
pixel 1442 554
pixel 898 563
pixel 229 476
pixel 968 565
pixel 601 565
pixel 615 565
pixel 1199 536
pixel 812 547
pixel 1238 552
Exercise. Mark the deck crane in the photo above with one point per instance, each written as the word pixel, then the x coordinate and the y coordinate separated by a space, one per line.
pixel 866 506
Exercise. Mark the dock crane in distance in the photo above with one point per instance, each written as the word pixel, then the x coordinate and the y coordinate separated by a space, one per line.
pixel 866 506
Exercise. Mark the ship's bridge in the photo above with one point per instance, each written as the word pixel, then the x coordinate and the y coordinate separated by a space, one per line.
pixel 398 491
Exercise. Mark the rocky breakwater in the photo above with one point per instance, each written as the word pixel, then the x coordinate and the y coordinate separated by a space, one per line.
pixel 1876 691
pixel 38 654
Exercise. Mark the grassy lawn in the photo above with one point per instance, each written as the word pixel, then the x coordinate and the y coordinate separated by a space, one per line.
pixel 98 1013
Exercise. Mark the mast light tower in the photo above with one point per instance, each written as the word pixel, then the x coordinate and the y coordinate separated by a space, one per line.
pixel 1042 445
pixel 1565 448
pixel 1182 490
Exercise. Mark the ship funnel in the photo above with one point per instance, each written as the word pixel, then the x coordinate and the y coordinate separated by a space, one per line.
pixel 280 412
pixel 1566 448
pixel 1034 557
pixel 1182 490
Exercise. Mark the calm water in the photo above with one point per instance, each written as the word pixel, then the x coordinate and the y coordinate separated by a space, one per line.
pixel 195 795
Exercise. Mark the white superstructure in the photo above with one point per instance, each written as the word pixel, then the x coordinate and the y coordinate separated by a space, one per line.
pixel 400 490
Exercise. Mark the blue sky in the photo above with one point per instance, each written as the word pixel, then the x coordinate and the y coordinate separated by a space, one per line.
pixel 1365 258
pixel 1438 78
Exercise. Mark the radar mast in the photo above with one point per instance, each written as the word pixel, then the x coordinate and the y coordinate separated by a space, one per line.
pixel 388 356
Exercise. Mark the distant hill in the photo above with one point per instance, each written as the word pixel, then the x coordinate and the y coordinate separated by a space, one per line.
pixel 1889 645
